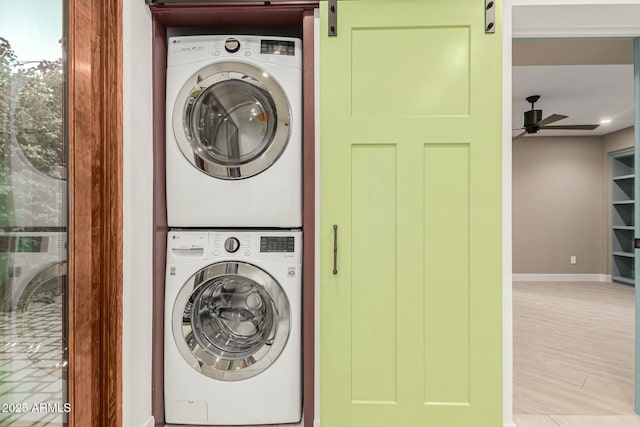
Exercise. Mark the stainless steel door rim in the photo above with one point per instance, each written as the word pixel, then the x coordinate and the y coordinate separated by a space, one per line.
pixel 231 120
pixel 231 320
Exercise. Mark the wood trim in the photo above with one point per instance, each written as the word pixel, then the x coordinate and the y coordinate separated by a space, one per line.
pixel 160 227
pixel 95 212
pixel 109 168
pixel 308 218
pixel 80 127
pixel 231 14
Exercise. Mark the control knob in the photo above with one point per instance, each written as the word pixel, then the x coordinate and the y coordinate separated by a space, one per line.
pixel 231 245
pixel 232 45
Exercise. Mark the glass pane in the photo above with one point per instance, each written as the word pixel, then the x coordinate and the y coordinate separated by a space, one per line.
pixel 233 316
pixel 234 121
pixel 33 214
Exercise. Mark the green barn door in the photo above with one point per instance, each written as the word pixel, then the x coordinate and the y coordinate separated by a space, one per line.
pixel 410 141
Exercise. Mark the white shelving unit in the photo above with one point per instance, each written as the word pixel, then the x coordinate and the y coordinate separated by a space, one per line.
pixel 622 216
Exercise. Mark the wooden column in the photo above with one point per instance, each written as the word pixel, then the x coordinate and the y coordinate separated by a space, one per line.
pixel 94 131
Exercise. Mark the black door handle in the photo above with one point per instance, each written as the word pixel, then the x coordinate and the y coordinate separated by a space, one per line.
pixel 335 249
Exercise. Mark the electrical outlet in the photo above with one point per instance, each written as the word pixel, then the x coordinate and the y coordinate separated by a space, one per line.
pixel 573 259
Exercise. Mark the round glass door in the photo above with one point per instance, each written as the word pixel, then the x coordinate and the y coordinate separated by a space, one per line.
pixel 232 120
pixel 231 321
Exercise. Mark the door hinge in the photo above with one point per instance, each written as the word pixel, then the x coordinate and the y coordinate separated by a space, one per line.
pixel 489 16
pixel 636 243
pixel 333 18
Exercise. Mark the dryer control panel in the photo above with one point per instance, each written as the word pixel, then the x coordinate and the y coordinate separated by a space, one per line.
pixel 277 47
pixel 285 51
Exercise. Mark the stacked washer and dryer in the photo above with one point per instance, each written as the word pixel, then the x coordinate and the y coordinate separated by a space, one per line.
pixel 233 290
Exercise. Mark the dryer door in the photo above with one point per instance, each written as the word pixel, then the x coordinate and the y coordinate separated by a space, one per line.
pixel 231 321
pixel 232 120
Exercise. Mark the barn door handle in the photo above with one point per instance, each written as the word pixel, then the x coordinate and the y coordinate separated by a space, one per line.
pixel 335 249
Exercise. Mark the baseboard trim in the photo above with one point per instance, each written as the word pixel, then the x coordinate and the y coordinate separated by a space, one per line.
pixel 561 277
pixel 150 422
pixel 316 423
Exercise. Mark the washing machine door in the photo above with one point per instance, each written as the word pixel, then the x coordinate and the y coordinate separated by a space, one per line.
pixel 232 120
pixel 231 321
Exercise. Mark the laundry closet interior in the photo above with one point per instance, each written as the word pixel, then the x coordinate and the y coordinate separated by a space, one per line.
pixel 241 34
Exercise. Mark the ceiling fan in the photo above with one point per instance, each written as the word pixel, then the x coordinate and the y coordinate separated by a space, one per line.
pixel 533 120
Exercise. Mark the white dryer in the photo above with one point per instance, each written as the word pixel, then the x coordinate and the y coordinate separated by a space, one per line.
pixel 233 327
pixel 234 131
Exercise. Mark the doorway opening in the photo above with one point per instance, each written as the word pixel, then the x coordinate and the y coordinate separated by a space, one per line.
pixel 573 228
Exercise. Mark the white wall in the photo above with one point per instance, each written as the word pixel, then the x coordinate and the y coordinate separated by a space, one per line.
pixel 137 215
pixel 507 289
pixel 558 205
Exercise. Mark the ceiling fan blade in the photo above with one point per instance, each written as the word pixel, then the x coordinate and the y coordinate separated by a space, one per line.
pixel 518 136
pixel 552 118
pixel 571 127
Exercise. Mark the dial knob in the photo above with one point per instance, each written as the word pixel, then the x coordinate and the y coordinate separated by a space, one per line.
pixel 232 45
pixel 231 245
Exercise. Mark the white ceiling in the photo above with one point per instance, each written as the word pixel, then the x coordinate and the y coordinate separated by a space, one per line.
pixel 594 82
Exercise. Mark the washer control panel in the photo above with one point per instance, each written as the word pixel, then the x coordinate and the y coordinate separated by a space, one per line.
pixel 260 245
pixel 188 241
pixel 277 244
pixel 266 245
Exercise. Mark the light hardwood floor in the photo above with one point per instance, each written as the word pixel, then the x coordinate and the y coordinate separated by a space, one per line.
pixel 573 354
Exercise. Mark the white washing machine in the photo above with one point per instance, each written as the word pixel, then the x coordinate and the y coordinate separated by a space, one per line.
pixel 34 268
pixel 234 131
pixel 233 304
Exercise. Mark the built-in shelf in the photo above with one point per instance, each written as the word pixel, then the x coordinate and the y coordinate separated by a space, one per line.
pixel 621 177
pixel 623 280
pixel 627 254
pixel 622 196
